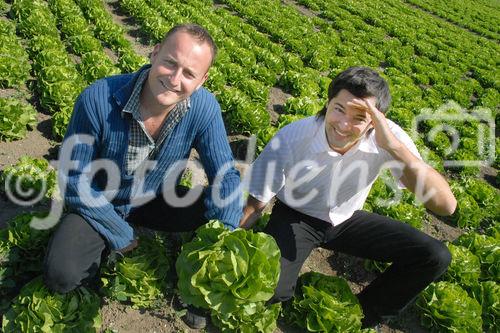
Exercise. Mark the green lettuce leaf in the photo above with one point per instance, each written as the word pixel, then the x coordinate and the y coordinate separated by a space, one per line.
pixel 446 307
pixel 36 309
pixel 141 276
pixel 488 295
pixel 223 270
pixel 324 303
pixel 465 267
pixel 15 118
pixel 487 249
pixel 249 318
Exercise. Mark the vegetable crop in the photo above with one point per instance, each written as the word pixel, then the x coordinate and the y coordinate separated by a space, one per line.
pixel 446 307
pixel 21 254
pixel 325 304
pixel 488 295
pixel 229 273
pixel 249 318
pixel 36 309
pixel 141 276
pixel 487 249
pixel 15 118
pixel 464 268
pixel 14 65
pixel 271 47
pixel 30 177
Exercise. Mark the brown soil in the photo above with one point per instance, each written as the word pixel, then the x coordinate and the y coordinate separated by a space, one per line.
pixel 133 32
pixel 302 9
pixel 36 144
pixel 277 98
pixel 123 318
pixel 450 21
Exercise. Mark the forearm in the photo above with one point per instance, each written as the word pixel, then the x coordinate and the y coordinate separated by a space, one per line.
pixel 223 199
pixel 251 212
pixel 428 185
pixel 97 211
pixel 227 206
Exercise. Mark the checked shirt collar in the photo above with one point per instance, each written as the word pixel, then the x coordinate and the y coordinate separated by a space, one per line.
pixel 141 145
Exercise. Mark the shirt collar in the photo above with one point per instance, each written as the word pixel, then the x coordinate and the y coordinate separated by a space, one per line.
pixel 319 143
pixel 122 95
pixel 132 106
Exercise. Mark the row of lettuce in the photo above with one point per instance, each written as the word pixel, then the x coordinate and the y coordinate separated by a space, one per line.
pixel 472 278
pixel 50 29
pixel 296 81
pixel 246 53
pixel 15 69
pixel 232 275
pixel 424 68
pixel 480 16
pixel 251 63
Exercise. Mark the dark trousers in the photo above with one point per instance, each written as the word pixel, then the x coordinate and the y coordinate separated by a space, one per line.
pixel 417 259
pixel 75 249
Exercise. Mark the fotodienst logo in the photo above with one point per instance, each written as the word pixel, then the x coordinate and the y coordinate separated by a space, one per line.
pixel 461 137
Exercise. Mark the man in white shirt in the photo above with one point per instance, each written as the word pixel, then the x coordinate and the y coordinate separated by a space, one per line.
pixel 321 170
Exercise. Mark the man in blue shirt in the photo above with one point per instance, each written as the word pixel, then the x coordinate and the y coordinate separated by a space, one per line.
pixel 133 130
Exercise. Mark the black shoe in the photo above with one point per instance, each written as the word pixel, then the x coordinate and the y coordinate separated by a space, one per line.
pixel 195 317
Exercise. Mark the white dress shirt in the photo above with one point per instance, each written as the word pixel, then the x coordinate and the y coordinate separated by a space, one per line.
pixel 299 167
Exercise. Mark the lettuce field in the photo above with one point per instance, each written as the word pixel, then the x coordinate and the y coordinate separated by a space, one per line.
pixel 275 62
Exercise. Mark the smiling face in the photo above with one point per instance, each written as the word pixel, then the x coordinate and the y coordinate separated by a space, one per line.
pixel 344 124
pixel 179 66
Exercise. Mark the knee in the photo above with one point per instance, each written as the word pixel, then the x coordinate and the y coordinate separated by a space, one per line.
pixel 60 280
pixel 439 257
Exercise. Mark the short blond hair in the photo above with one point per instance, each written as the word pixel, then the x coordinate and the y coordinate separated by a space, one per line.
pixel 198 32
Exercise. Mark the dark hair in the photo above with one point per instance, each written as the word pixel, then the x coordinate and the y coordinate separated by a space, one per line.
pixel 198 32
pixel 361 82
